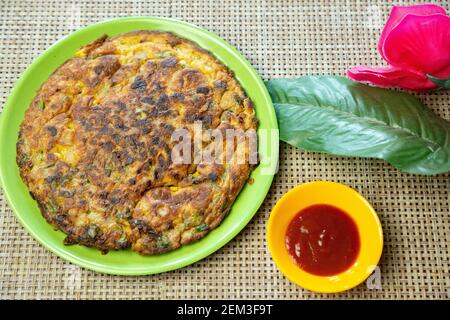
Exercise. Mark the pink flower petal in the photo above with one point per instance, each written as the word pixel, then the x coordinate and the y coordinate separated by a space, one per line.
pixel 390 77
pixel 399 12
pixel 420 44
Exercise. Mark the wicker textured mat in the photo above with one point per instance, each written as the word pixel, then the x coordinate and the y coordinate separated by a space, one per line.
pixel 281 39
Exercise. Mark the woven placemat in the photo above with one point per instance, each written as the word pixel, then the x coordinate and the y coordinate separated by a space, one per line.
pixel 280 39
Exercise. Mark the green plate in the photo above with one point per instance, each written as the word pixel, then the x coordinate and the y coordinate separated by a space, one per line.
pixel 126 262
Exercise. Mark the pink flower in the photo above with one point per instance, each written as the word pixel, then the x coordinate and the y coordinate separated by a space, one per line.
pixel 416 44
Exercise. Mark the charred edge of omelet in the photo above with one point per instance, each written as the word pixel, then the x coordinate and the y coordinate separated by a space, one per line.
pixel 77 236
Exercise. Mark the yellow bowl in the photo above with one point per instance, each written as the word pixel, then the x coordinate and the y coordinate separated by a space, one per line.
pixel 345 198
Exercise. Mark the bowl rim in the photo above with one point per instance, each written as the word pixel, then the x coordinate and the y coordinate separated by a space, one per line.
pixel 365 263
pixel 222 237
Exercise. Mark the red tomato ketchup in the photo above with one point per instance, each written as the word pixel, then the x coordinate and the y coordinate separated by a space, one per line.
pixel 323 240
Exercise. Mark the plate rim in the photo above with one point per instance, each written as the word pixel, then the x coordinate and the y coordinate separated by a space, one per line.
pixel 74 258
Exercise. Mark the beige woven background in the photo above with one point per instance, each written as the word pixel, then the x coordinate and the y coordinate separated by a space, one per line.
pixel 280 39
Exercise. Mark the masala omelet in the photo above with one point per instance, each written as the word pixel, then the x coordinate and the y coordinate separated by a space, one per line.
pixel 95 145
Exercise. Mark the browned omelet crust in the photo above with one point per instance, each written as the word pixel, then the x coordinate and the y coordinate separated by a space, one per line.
pixel 94 147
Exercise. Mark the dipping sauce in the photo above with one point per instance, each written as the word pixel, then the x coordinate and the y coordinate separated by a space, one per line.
pixel 323 240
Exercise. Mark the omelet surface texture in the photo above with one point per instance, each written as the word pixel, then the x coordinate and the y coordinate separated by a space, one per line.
pixel 96 142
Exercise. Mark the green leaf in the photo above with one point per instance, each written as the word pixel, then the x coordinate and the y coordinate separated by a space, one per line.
pixel 444 83
pixel 336 115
